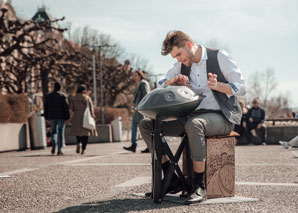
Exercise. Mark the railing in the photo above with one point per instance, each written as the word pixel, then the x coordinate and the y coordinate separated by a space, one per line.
pixel 273 120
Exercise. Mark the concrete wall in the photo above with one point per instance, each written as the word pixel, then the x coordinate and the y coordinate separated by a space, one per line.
pixel 104 135
pixel 283 133
pixel 14 136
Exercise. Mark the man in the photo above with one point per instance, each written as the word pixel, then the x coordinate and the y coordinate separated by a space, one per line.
pixel 56 109
pixel 143 89
pixel 255 119
pixel 215 74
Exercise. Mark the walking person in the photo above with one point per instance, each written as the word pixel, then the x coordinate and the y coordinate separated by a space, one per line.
pixel 143 89
pixel 78 105
pixel 56 109
pixel 216 75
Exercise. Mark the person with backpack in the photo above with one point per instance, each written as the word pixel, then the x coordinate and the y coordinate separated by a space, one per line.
pixel 56 109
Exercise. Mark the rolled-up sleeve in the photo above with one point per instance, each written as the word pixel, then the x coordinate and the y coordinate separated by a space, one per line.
pixel 232 73
pixel 175 70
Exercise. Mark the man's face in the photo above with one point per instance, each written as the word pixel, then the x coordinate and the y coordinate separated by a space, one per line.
pixel 255 104
pixel 183 55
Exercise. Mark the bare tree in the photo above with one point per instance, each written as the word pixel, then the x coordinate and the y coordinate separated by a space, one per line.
pixel 263 85
pixel 215 43
pixel 140 63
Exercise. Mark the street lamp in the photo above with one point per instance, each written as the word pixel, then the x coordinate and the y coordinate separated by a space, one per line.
pixel 100 78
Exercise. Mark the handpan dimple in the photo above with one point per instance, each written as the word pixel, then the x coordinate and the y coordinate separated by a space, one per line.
pixel 169 103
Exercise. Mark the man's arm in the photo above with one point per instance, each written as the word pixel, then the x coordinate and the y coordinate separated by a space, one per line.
pixel 168 79
pixel 46 108
pixel 66 107
pixel 232 73
pixel 218 86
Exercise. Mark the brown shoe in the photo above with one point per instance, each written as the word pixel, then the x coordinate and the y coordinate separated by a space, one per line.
pixel 83 152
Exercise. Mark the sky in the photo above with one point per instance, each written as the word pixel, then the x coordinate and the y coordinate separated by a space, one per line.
pixel 259 34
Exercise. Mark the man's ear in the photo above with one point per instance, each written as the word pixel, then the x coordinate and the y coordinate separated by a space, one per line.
pixel 188 44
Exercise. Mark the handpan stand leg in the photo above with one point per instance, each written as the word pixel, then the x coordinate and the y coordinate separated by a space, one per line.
pixel 160 147
pixel 157 161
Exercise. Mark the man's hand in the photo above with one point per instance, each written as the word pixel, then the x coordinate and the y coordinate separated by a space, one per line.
pixel 212 81
pixel 181 80
pixel 259 126
pixel 218 86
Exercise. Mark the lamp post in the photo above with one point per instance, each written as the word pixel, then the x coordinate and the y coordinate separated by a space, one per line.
pixel 100 78
pixel 94 81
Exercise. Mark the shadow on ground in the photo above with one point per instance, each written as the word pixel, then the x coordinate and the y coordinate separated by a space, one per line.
pixel 118 205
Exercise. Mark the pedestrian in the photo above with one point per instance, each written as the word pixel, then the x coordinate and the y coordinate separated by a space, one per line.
pixel 289 144
pixel 143 89
pixel 254 123
pixel 240 129
pixel 213 73
pixel 56 109
pixel 78 105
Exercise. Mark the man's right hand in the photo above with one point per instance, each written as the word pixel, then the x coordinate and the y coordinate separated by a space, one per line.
pixel 181 80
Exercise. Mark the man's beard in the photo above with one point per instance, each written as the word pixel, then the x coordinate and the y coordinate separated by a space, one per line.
pixel 188 61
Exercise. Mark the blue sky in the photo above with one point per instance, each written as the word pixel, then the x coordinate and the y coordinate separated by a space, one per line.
pixel 259 34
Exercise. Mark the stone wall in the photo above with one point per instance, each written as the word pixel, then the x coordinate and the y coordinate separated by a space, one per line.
pixel 104 135
pixel 283 133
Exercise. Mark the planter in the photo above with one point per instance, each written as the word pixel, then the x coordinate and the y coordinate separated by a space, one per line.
pixel 14 136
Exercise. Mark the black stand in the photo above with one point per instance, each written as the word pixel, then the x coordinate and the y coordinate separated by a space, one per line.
pixel 160 147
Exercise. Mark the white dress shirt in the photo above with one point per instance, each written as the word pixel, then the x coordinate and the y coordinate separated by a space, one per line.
pixel 198 78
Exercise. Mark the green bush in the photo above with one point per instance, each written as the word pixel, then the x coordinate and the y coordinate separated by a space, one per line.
pixel 14 108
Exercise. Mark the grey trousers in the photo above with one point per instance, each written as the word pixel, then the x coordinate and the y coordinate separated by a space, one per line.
pixel 196 126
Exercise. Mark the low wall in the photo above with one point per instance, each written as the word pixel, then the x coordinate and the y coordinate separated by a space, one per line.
pixel 280 133
pixel 104 135
pixel 14 136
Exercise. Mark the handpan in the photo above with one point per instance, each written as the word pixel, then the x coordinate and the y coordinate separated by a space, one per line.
pixel 169 103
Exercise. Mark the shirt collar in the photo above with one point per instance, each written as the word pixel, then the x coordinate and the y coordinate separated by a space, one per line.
pixel 204 56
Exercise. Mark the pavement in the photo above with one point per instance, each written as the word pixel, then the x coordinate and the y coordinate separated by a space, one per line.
pixel 109 179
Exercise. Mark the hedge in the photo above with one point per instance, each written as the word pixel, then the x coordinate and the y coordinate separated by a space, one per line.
pixel 14 108
pixel 111 114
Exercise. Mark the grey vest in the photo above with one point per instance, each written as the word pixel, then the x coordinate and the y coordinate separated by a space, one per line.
pixel 229 106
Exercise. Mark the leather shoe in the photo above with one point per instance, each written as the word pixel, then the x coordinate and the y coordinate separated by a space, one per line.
pixel 131 148
pixel 53 149
pixel 78 148
pixel 198 196
pixel 145 150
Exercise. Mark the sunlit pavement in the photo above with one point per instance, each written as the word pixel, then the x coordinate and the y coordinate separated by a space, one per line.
pixel 107 178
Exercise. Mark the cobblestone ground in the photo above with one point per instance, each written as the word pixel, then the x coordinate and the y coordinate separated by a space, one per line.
pixel 107 177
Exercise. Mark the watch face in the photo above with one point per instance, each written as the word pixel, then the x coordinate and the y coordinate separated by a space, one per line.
pixel 169 103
